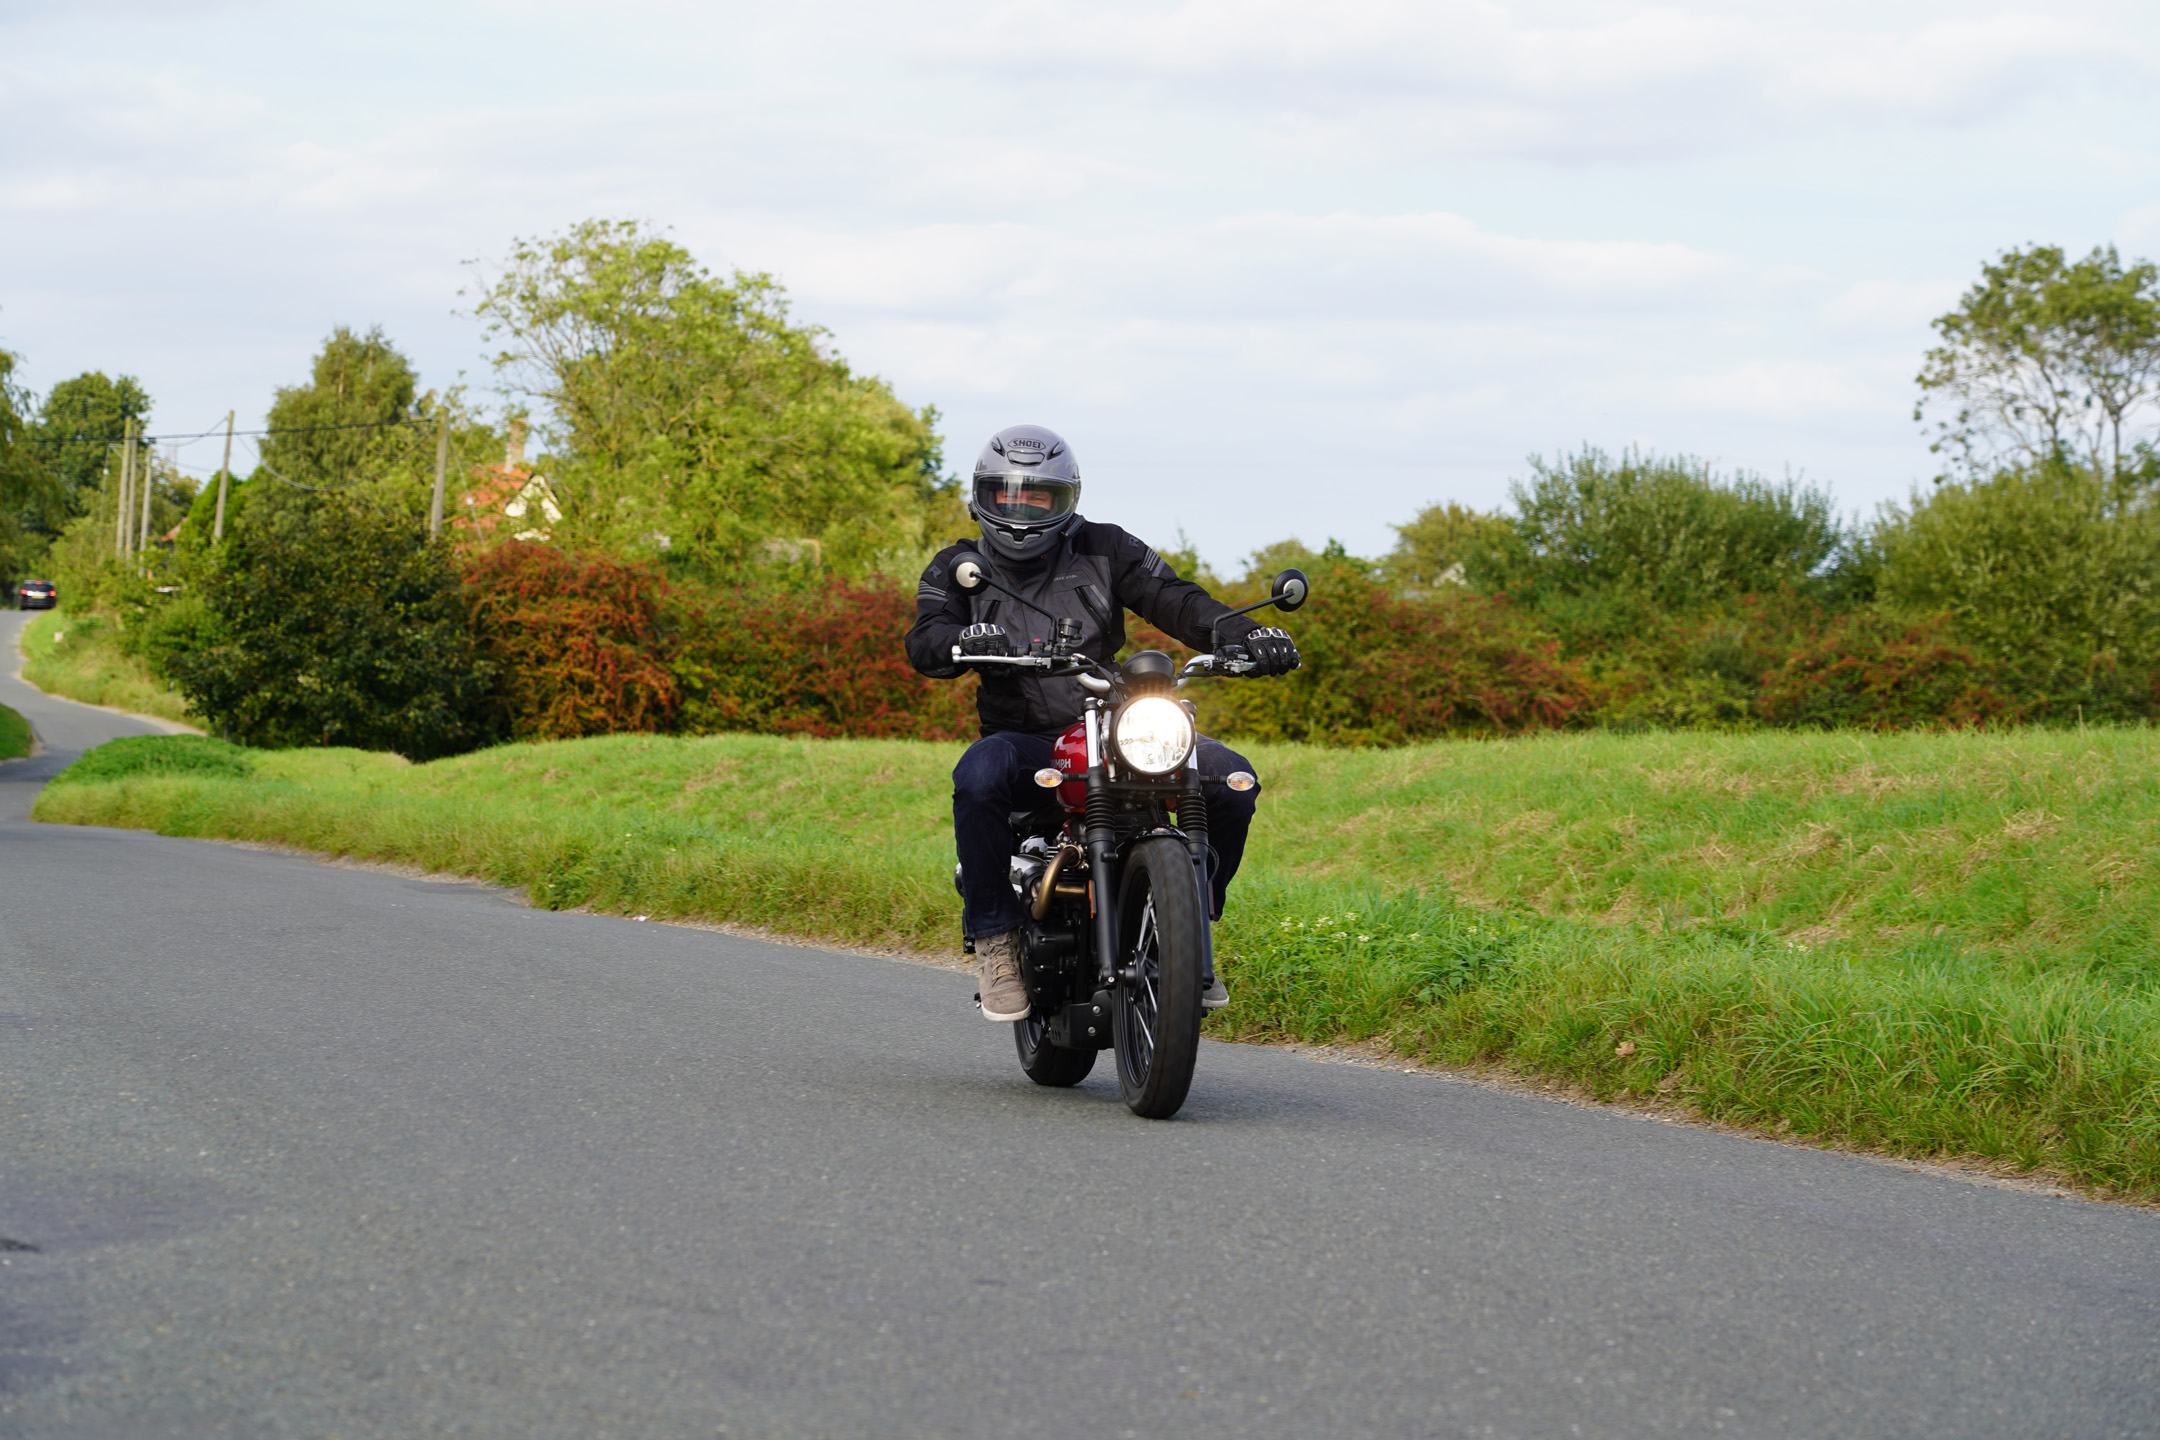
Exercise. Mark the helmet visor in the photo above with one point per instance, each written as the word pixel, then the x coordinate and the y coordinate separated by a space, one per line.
pixel 1024 499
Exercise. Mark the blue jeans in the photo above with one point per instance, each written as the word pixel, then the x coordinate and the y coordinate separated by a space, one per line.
pixel 997 776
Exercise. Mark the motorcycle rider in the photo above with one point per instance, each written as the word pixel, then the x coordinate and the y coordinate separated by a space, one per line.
pixel 1025 498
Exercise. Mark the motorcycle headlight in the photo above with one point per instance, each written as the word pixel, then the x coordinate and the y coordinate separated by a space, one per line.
pixel 1153 734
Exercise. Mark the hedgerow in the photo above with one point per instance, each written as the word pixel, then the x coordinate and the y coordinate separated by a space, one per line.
pixel 821 659
pixel 583 642
pixel 1379 669
pixel 591 644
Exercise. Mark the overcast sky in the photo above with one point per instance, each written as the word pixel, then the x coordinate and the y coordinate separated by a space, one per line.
pixel 1274 267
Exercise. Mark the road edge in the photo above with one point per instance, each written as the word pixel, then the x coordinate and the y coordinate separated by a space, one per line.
pixel 22 658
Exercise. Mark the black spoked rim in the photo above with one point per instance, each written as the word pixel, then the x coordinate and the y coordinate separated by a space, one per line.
pixel 1157 1031
pixel 1143 999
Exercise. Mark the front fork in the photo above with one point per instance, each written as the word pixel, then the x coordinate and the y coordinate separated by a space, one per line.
pixel 1101 838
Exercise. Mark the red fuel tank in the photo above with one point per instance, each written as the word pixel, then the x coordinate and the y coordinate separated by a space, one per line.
pixel 1070 756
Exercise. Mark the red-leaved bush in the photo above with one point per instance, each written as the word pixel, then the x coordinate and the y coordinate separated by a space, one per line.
pixel 593 645
pixel 812 660
pixel 1879 674
pixel 581 640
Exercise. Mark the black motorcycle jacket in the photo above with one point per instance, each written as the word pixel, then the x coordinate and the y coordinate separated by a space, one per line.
pixel 1094 575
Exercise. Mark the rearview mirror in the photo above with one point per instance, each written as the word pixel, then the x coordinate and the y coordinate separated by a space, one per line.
pixel 1291 587
pixel 968 576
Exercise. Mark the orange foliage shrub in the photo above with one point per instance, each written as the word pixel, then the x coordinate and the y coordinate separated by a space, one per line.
pixel 813 660
pixel 581 641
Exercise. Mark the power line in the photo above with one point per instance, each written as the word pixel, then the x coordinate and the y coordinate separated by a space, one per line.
pixel 318 489
pixel 209 434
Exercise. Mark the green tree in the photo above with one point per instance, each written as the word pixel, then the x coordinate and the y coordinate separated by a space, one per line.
pixel 80 427
pixel 359 426
pixel 341 624
pixel 332 431
pixel 694 416
pixel 1668 532
pixel 28 490
pixel 2047 357
pixel 1447 544
pixel 2046 567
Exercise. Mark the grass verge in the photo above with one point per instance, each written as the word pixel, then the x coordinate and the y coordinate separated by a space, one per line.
pixel 1934 945
pixel 79 657
pixel 15 736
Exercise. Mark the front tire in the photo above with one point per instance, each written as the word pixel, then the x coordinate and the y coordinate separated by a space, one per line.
pixel 1157 1022
pixel 1048 1064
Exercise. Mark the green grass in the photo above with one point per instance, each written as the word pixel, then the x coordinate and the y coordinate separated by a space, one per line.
pixel 15 737
pixel 156 755
pixel 79 657
pixel 1928 944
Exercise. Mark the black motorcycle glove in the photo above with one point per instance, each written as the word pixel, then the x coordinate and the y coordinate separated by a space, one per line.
pixel 1272 650
pixel 985 640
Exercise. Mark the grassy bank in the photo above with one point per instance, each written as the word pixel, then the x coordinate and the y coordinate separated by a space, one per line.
pixel 1932 944
pixel 15 737
pixel 79 656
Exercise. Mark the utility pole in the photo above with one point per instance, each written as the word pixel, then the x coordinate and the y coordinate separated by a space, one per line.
pixel 217 531
pixel 123 509
pixel 148 486
pixel 442 466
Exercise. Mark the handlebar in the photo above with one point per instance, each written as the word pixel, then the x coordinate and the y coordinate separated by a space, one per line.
pixel 1076 664
pixel 1025 662
pixel 1081 664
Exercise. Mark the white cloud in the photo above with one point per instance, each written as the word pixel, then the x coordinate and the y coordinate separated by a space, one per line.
pixel 1784 391
pixel 2137 233
pixel 1270 266
pixel 1229 247
pixel 1891 306
pixel 1378 77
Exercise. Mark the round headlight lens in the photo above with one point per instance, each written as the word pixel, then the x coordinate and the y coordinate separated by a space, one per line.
pixel 1154 735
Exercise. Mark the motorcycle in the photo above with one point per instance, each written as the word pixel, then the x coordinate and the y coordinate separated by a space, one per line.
pixel 1112 867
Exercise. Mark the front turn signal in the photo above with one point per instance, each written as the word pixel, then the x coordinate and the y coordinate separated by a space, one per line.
pixel 1048 778
pixel 1240 780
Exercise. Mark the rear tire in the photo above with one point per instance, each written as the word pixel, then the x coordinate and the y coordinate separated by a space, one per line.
pixel 1157 1023
pixel 1048 1064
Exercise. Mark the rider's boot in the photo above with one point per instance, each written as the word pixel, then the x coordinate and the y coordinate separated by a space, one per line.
pixel 1004 998
pixel 1214 997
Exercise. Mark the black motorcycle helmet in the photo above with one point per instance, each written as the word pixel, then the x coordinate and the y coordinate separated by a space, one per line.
pixel 1026 491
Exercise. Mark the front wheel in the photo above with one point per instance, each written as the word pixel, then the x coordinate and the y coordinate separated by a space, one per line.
pixel 1157 1023
pixel 1045 1063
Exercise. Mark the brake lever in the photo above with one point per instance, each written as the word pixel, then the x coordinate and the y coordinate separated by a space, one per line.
pixel 1227 664
pixel 1025 662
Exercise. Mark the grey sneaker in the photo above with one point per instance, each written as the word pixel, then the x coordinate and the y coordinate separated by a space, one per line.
pixel 1004 998
pixel 1214 997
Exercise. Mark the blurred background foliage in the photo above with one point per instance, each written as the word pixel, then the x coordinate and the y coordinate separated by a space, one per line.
pixel 729 522
pixel 694 420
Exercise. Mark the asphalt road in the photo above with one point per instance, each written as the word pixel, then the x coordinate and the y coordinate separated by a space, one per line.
pixel 310 1151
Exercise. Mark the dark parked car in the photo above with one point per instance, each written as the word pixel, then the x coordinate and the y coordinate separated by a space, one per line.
pixel 36 595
